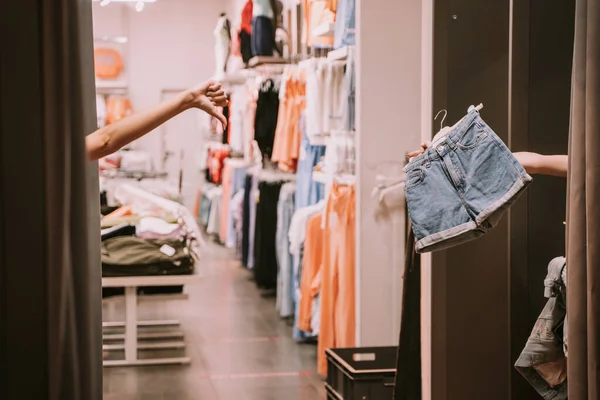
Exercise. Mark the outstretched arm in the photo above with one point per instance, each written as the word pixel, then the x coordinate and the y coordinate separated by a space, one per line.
pixel 534 163
pixel 107 140
pixel 555 165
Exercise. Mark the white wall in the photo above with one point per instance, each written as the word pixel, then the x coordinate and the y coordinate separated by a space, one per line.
pixel 171 46
pixel 388 126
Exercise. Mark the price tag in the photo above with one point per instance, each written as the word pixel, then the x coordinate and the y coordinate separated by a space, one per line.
pixel 168 250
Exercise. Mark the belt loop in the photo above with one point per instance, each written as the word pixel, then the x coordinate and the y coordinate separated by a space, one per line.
pixel 451 142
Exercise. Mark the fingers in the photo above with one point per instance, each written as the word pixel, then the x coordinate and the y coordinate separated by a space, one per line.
pixel 414 153
pixel 213 87
pixel 219 115
pixel 220 101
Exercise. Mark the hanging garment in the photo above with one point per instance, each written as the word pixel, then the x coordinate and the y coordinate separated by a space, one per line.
pixel 245 32
pixel 265 122
pixel 246 219
pixel 286 146
pixel 117 108
pixel 108 63
pixel 345 24
pixel 407 385
pixel 337 274
pixel 262 8
pixel 263 36
pixel 349 94
pixel 462 185
pixel 254 198
pixel 285 283
pixel 543 363
pixel 318 13
pixel 265 254
pixel 222 34
pixel 312 261
pixel 237 205
pixel 297 237
pixel 308 192
pixel 235 182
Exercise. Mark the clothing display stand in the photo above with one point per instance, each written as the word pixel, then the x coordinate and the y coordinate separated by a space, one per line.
pixel 131 325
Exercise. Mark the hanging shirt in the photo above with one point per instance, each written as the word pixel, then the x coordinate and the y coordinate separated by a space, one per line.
pixel 262 8
pixel 246 21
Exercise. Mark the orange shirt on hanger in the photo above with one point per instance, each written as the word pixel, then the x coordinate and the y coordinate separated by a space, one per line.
pixel 337 274
pixel 311 267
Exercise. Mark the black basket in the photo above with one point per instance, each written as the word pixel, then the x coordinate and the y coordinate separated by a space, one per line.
pixel 361 373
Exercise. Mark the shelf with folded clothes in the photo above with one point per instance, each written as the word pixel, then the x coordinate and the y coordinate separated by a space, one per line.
pixel 147 235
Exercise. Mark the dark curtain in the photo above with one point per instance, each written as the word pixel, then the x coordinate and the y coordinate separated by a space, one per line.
pixel 72 202
pixel 583 208
pixel 407 385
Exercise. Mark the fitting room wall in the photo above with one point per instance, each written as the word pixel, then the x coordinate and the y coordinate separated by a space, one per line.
pixel 388 72
pixel 171 46
pixel 515 58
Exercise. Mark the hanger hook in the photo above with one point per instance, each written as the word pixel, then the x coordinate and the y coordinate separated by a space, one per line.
pixel 443 119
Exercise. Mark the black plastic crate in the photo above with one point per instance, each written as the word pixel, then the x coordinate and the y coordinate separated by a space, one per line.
pixel 366 373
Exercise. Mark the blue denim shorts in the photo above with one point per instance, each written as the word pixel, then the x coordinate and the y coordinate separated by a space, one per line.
pixel 461 186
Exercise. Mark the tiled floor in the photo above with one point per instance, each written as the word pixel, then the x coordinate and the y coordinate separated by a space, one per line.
pixel 240 348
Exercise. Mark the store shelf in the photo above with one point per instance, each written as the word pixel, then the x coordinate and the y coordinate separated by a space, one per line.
pixel 324 30
pixel 265 60
pixel 110 87
pixel 339 54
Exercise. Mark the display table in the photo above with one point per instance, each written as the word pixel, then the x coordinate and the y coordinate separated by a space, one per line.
pixel 131 324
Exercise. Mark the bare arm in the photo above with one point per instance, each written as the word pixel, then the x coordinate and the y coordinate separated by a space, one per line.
pixel 534 163
pixel 554 165
pixel 111 138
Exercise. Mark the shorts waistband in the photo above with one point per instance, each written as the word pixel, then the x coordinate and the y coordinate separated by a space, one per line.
pixel 450 140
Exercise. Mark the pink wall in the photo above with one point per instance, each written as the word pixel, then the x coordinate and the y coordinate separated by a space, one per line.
pixel 171 46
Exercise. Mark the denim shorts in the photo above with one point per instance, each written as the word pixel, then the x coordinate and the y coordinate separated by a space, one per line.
pixel 461 186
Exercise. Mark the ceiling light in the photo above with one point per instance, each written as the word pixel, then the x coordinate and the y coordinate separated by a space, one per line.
pixel 104 2
pixel 139 6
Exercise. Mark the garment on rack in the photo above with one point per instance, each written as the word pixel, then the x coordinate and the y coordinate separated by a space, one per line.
pixel 222 34
pixel 285 282
pixel 297 238
pixel 254 198
pixel 325 99
pixel 117 108
pixel 345 24
pixel 263 36
pixel 312 262
pixel 340 154
pixel 348 96
pixel 461 186
pixel 407 384
pixel 308 192
pixel 214 217
pixel 543 363
pixel 337 274
pixel 265 122
pixel 265 255
pixel 262 8
pixel 318 14
pixel 236 171
pixel 286 146
pixel 237 206
pixel 246 219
